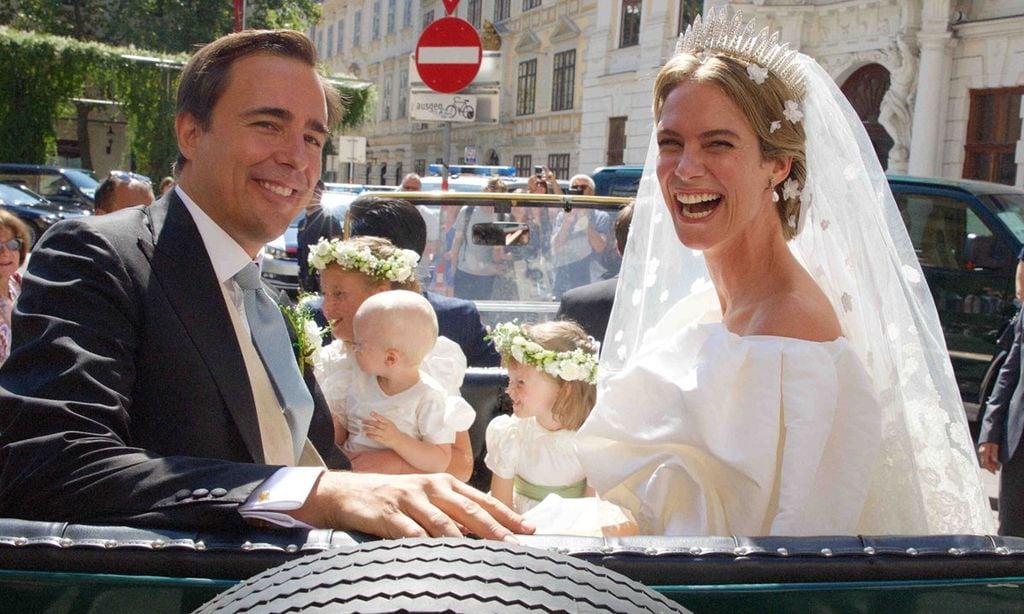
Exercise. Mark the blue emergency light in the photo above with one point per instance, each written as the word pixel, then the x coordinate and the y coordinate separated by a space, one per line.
pixel 482 170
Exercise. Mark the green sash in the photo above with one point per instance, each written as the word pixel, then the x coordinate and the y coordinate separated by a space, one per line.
pixel 538 492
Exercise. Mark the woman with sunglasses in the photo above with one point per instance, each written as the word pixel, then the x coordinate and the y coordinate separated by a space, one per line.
pixel 14 240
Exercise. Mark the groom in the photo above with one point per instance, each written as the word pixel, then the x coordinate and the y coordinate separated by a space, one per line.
pixel 134 392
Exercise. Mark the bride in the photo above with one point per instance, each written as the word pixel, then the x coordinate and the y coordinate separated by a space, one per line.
pixel 774 363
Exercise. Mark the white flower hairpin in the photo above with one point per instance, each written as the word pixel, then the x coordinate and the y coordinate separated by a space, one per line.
pixel 757 74
pixel 791 189
pixel 775 125
pixel 793 112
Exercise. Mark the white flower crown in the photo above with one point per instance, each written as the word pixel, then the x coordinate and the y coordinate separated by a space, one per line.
pixel 575 365
pixel 399 267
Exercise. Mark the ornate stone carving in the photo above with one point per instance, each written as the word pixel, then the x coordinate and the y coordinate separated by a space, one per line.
pixel 489 38
pixel 896 112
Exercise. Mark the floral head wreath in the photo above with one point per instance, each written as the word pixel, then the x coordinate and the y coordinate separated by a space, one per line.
pixel 398 267
pixel 574 365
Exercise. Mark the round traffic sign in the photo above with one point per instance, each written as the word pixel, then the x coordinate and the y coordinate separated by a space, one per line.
pixel 448 55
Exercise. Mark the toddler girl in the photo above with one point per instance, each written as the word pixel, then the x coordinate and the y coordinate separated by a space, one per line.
pixel 552 368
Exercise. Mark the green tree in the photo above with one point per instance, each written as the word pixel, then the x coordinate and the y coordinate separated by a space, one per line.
pixel 159 25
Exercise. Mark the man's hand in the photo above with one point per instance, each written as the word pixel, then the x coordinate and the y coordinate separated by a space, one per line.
pixel 988 456
pixel 407 506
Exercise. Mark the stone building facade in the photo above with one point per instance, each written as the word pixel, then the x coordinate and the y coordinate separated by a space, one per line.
pixel 938 83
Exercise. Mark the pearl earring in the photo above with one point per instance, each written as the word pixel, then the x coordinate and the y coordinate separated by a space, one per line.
pixel 771 186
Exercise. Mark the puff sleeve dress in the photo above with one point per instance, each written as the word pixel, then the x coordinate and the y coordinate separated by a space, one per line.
pixel 709 433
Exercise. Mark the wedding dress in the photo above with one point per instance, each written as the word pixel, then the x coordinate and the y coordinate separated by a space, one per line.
pixel 691 420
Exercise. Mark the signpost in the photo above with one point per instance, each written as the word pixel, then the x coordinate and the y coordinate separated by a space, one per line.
pixel 448 55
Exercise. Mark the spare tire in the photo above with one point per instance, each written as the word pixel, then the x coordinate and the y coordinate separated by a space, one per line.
pixel 439 575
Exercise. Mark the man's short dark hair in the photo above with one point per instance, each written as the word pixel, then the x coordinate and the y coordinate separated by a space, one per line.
pixel 394 219
pixel 205 76
pixel 622 222
pixel 104 194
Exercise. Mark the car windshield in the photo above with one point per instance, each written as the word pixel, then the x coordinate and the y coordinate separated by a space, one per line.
pixel 514 255
pixel 84 180
pixel 1010 209
pixel 10 195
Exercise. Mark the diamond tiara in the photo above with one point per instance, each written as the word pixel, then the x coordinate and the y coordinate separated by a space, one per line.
pixel 717 34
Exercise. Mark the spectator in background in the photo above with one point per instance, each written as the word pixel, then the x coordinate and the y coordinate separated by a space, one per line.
pixel 591 305
pixel 14 244
pixel 122 189
pixel 475 267
pixel 412 183
pixel 578 236
pixel 165 185
pixel 457 319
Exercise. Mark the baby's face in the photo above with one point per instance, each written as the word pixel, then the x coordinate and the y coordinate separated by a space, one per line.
pixel 368 347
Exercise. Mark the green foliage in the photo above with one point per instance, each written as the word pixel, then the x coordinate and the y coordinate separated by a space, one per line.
pixel 158 25
pixel 42 73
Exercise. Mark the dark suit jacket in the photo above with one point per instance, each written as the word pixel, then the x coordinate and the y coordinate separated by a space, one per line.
pixel 1004 411
pixel 589 306
pixel 459 320
pixel 126 398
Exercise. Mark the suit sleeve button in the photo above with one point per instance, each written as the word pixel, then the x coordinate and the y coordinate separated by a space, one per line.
pixel 200 493
pixel 218 492
pixel 182 494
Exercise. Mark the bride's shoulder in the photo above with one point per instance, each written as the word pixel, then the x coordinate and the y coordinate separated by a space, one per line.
pixel 797 314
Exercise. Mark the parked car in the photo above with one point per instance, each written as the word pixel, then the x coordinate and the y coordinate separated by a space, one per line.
pixel 280 257
pixel 68 187
pixel 621 180
pixel 60 567
pixel 37 212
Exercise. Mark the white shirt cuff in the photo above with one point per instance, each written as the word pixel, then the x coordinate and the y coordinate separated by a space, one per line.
pixel 284 491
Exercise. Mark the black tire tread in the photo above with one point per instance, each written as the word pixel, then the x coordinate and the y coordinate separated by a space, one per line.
pixel 454 575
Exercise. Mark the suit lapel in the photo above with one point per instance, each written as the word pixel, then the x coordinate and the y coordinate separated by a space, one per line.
pixel 182 267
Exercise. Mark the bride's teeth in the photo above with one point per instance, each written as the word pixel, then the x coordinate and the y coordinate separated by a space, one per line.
pixel 692 204
pixel 694 199
pixel 277 189
pixel 696 214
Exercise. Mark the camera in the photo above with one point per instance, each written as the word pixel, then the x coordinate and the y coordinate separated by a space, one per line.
pixel 574 191
pixel 538 171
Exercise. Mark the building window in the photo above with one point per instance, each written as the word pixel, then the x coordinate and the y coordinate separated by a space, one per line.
pixel 330 40
pixel 420 167
pixel 407 14
pixel 559 165
pixel 320 44
pixel 386 99
pixel 392 9
pixel 688 9
pixel 474 13
pixel 341 36
pixel 526 94
pixel 403 93
pixel 502 9
pixel 563 80
pixel 530 4
pixel 428 18
pixel 375 23
pixel 993 130
pixel 616 141
pixel 357 29
pixel 630 24
pixel 523 164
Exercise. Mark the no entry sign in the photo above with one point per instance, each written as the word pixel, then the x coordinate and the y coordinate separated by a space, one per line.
pixel 448 55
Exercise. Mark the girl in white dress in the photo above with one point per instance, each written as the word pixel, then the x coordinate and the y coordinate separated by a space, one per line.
pixel 552 368
pixel 351 271
pixel 774 362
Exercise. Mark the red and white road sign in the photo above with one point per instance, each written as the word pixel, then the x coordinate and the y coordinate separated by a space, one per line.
pixel 448 55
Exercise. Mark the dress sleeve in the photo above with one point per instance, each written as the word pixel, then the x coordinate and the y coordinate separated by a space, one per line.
pixel 431 417
pixel 334 372
pixel 447 364
pixel 502 446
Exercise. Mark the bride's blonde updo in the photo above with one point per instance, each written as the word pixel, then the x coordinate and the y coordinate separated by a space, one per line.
pixel 761 103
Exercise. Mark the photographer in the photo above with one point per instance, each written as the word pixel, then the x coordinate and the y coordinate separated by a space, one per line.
pixel 578 237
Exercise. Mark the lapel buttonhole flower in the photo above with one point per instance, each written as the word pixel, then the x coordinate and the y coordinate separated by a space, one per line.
pixel 793 112
pixel 757 74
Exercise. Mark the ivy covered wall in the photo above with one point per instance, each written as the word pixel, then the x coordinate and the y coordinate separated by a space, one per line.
pixel 42 74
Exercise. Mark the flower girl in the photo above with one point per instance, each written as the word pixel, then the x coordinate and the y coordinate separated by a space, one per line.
pixel 552 368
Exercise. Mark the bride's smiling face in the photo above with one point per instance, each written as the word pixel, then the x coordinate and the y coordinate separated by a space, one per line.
pixel 710 168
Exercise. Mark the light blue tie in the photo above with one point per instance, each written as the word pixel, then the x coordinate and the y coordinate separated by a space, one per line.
pixel 269 335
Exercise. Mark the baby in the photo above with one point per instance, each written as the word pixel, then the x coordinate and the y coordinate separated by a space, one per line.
pixel 391 403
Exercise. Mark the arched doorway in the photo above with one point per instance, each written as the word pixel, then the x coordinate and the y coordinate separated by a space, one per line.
pixel 865 89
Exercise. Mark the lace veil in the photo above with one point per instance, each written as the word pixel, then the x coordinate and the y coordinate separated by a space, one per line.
pixel 854 243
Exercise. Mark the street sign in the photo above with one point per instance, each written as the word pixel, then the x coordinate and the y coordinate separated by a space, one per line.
pixel 352 149
pixel 448 55
pixel 432 107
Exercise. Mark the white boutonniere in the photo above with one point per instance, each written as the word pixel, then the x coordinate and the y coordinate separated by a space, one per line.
pixel 308 336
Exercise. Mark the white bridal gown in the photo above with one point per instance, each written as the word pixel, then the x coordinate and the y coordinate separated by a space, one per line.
pixel 711 433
